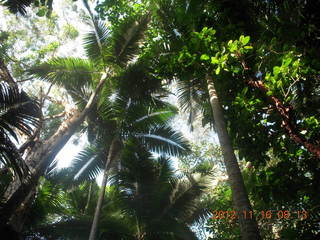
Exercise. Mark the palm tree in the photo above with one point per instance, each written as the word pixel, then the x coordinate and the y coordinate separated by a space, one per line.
pixel 249 227
pixel 83 79
pixel 197 90
pixel 138 116
pixel 162 202
pixel 147 200
pixel 122 118
pixel 60 212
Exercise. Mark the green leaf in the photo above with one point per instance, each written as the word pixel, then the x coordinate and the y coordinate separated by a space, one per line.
pixel 245 40
pixel 287 61
pixel 276 70
pixel 218 70
pixel 233 47
pixel 41 12
pixel 204 57
pixel 214 60
pixel 269 93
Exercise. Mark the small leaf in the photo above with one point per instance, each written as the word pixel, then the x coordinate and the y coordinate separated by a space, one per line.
pixel 41 12
pixel 276 70
pixel 214 60
pixel 279 84
pixel 204 57
pixel 233 47
pixel 218 70
pixel 287 61
pixel 245 40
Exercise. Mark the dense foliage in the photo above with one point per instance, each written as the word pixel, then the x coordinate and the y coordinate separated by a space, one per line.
pixel 261 57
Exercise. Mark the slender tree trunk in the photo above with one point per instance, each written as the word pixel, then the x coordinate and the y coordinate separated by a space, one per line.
pixel 41 156
pixel 88 199
pixel 248 226
pixel 114 150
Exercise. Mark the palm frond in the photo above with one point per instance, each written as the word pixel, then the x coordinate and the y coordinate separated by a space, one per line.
pixel 161 201
pixel 137 81
pixel 66 228
pixel 68 72
pixel 185 196
pixel 127 39
pixel 96 42
pixel 113 228
pixel 49 199
pixel 189 97
pixel 145 123
pixel 141 116
pixel 201 213
pixel 163 140
pixel 17 6
pixel 10 156
pixel 88 164
pixel 112 106
pixel 85 167
pixel 17 111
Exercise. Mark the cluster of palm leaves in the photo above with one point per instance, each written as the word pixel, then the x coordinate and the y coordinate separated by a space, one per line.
pixel 146 199
pixel 19 6
pixel 19 114
pixel 128 123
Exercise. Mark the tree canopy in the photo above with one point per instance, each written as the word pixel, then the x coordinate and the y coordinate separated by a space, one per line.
pixel 125 77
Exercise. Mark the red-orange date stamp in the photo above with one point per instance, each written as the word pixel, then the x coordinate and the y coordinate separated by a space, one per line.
pixel 263 214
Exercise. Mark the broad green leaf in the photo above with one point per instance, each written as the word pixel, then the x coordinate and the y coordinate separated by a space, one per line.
pixel 204 57
pixel 245 40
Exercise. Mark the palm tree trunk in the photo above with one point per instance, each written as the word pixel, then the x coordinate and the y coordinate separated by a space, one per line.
pixel 114 150
pixel 248 225
pixel 88 199
pixel 41 156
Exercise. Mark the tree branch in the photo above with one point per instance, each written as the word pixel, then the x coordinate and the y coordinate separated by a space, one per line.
pixel 5 74
pixel 285 112
pixel 59 115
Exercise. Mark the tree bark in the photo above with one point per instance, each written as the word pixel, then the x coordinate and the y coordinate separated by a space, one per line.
pixel 114 150
pixel 88 199
pixel 248 226
pixel 5 74
pixel 41 157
